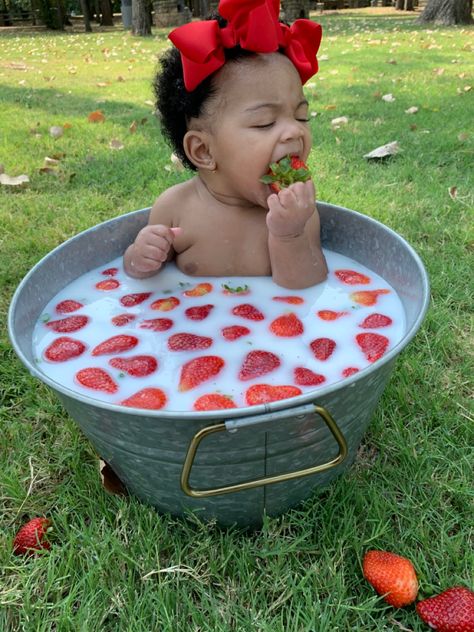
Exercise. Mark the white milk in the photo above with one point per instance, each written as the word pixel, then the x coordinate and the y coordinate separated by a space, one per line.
pixel 295 352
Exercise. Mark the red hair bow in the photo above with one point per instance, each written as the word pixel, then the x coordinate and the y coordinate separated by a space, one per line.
pixel 252 24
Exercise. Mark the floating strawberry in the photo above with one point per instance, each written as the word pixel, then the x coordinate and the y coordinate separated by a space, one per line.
pixel 329 314
pixel 306 377
pixel 258 363
pixel 122 319
pixel 240 290
pixel 149 398
pixel 199 370
pixel 287 326
pixel 67 306
pixel 107 285
pixel 96 379
pixel 265 393
pixel 63 349
pixel 69 324
pixel 31 537
pixel 374 321
pixel 199 312
pixel 292 300
pixel 392 576
pixel 165 304
pixel 350 370
pixel 188 342
pixel 199 290
pixel 156 324
pixel 351 277
pixel 373 345
pixel 130 300
pixel 233 332
pixel 116 344
pixel 285 172
pixel 245 310
pixel 213 401
pixel 136 366
pixel 322 348
pixel 110 272
pixel 450 611
pixel 367 297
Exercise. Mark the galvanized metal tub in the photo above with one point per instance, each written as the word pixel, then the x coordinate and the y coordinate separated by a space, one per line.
pixel 238 465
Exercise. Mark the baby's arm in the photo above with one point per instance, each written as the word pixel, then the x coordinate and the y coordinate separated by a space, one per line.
pixel 294 244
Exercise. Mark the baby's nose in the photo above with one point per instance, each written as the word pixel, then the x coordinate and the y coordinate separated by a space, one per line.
pixel 291 130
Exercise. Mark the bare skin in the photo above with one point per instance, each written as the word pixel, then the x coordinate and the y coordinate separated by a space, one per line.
pixel 224 221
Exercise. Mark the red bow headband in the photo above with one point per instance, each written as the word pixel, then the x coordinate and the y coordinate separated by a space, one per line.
pixel 254 25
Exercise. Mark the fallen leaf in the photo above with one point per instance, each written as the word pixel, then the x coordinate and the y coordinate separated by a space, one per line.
pixel 148 102
pixel 463 136
pixel 120 78
pixel 67 125
pixel 96 117
pixel 116 144
pixel 453 192
pixel 323 58
pixel 13 181
pixel 384 151
pixel 467 88
pixel 392 61
pixel 102 84
pixel 51 162
pixel 388 98
pixel 48 171
pixel 412 110
pixel 438 71
pixel 339 121
pixel 178 165
pixel 331 106
pixel 56 131
pixel 133 127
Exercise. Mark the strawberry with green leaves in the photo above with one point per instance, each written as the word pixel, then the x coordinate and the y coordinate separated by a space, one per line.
pixel 286 172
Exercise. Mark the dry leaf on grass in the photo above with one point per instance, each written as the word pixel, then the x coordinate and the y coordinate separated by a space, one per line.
pixel 453 192
pixel 388 98
pixel 412 110
pixel 116 144
pixel 96 117
pixel 133 127
pixel 339 122
pixel 13 181
pixel 384 151
pixel 56 131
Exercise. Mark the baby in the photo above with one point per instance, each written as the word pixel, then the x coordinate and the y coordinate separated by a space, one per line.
pixel 231 102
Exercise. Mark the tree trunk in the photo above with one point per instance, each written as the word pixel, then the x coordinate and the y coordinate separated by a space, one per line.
pixel 107 18
pixel 447 12
pixel 85 13
pixel 409 5
pixel 400 5
pixel 141 19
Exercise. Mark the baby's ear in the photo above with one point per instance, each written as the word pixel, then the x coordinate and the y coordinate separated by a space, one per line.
pixel 196 147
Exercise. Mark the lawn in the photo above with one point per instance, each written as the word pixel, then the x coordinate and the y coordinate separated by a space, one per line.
pixel 117 565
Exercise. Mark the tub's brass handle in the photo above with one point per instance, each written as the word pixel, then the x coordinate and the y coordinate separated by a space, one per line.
pixel 266 480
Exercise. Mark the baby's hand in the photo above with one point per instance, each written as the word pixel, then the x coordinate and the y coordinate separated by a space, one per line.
pixel 150 249
pixel 290 209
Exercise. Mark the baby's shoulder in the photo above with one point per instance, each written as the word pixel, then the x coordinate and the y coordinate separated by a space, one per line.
pixel 172 202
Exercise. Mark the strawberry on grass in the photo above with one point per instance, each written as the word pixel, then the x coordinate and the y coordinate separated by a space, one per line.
pixel 285 172
pixel 392 576
pixel 31 537
pixel 450 611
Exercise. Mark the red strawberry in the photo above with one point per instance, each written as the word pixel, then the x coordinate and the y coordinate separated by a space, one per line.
pixel 122 319
pixel 258 363
pixel 306 377
pixel 200 312
pixel 130 300
pixel 199 290
pixel 31 537
pixel 374 321
pixel 351 277
pixel 367 297
pixel 68 324
pixel 136 366
pixel 116 344
pixel 285 172
pixel 63 349
pixel 67 306
pixel 392 576
pixel 323 348
pixel 248 311
pixel 241 290
pixel 188 342
pixel 156 324
pixel 293 300
pixel 329 314
pixel 234 332
pixel 110 272
pixel 165 304
pixel 199 370
pixel 213 401
pixel 97 379
pixel 350 371
pixel 148 398
pixel 287 326
pixel 373 345
pixel 265 393
pixel 450 611
pixel 107 285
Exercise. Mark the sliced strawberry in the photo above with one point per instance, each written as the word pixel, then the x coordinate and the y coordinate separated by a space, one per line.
pixel 234 332
pixel 351 277
pixel 110 272
pixel 130 300
pixel 156 324
pixel 199 370
pixel 107 285
pixel 450 611
pixel 96 379
pixel 350 371
pixel 258 363
pixel 285 172
pixel 200 312
pixel 136 366
pixel 373 345
pixel 199 290
pixel 68 324
pixel 245 310
pixel 392 576
pixel 306 377
pixel 265 393
pixel 149 398
pixel 367 297
pixel 116 344
pixel 323 348
pixel 165 304
pixel 122 319
pixel 213 401
pixel 67 306
pixel 63 349
pixel 292 300
pixel 329 314
pixel 374 321
pixel 188 342
pixel 287 326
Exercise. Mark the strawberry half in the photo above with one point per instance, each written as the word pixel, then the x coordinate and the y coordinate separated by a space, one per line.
pixel 122 319
pixel 110 272
pixel 322 348
pixel 96 379
pixel 136 366
pixel 367 297
pixel 148 398
pixel 199 290
pixel 372 345
pixel 116 344
pixel 107 285
pixel 329 314
pixel 374 321
pixel 63 349
pixel 67 306
pixel 350 370
pixel 351 277
pixel 306 377
pixel 265 393
pixel 200 312
pixel 31 537
pixel 285 172
pixel 213 401
pixel 234 332
pixel 287 326
pixel 245 310
pixel 450 611
pixel 156 324
pixel 292 300
pixel 188 342
pixel 392 576
pixel 165 304
pixel 130 300
pixel 258 363
pixel 199 370
pixel 68 324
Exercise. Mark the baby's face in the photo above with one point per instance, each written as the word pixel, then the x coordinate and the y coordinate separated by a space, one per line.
pixel 259 115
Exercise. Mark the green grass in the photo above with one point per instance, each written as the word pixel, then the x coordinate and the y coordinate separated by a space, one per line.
pixel 116 564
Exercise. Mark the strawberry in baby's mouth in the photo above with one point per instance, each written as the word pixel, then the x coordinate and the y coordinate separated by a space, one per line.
pixel 285 172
